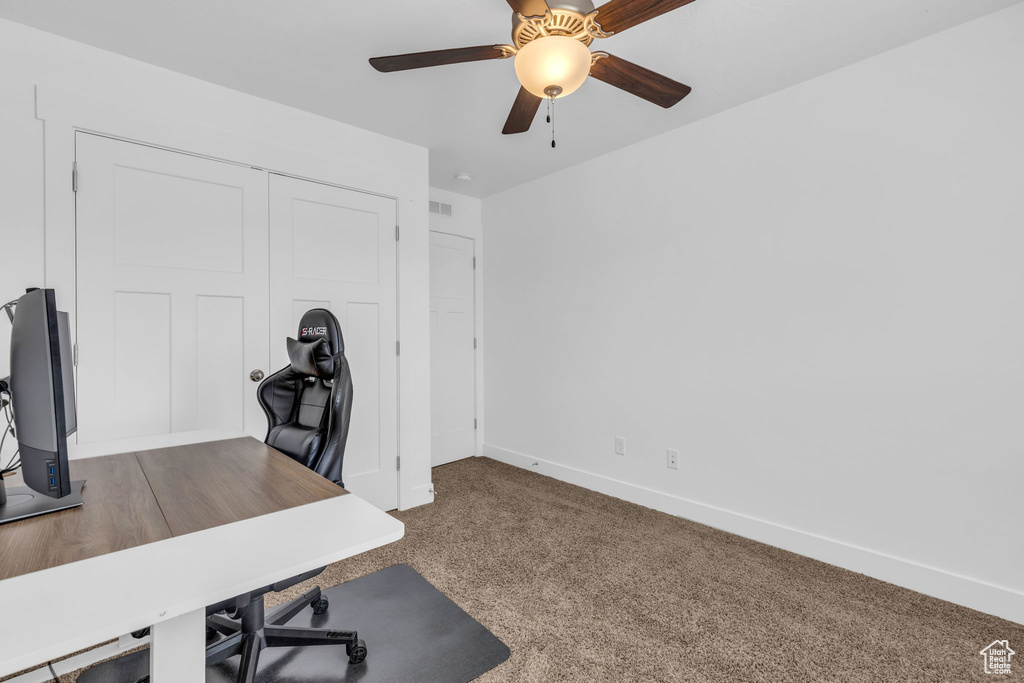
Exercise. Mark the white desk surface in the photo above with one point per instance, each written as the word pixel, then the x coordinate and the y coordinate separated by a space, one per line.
pixel 51 613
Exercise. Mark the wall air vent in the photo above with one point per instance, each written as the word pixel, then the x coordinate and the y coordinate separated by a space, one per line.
pixel 441 209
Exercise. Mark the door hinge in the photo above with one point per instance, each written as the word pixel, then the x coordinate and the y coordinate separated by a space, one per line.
pixel 398 463
pixel 396 233
pixel 75 349
pixel 474 342
pixel 74 177
pixel 474 263
pixel 398 348
pixel 474 423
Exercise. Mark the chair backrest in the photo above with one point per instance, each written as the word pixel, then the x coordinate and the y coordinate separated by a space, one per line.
pixel 309 402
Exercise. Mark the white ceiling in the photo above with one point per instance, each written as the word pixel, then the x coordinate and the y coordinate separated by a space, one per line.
pixel 312 54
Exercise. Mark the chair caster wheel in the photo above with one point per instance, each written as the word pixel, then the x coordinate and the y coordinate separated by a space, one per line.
pixel 141 633
pixel 357 652
pixel 320 605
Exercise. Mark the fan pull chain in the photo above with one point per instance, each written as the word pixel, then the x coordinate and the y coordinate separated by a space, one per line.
pixel 551 118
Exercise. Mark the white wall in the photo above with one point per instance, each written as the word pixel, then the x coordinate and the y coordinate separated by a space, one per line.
pixel 816 297
pixel 101 86
pixel 467 221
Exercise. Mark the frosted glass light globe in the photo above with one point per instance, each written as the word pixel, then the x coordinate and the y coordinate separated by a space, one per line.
pixel 553 61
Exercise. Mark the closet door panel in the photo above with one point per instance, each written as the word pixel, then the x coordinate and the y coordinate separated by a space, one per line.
pixel 172 273
pixel 335 248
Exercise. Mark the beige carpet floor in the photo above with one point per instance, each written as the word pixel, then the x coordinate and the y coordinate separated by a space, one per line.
pixel 587 588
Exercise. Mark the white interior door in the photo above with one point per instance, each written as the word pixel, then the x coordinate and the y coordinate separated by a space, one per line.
pixel 335 248
pixel 172 292
pixel 452 357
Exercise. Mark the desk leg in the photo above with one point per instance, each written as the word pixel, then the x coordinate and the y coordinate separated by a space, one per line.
pixel 178 652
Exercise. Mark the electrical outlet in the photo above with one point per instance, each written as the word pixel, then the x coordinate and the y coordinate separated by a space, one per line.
pixel 673 459
pixel 620 446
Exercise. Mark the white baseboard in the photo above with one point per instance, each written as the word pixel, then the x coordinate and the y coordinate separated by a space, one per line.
pixel 984 597
pixel 145 443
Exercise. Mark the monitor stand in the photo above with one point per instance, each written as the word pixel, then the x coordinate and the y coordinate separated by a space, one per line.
pixel 23 502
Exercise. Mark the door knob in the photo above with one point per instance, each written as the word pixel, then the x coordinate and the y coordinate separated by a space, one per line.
pixel 256 375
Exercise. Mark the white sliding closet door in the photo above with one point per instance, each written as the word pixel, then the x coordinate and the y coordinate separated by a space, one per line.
pixel 335 248
pixel 172 292
pixel 452 355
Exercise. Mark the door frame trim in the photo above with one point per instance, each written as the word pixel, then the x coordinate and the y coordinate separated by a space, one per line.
pixel 64 114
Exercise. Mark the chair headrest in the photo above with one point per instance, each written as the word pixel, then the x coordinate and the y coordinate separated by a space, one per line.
pixel 319 323
pixel 311 358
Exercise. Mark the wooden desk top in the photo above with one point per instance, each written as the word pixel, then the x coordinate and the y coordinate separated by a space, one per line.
pixel 119 512
pixel 136 498
pixel 204 485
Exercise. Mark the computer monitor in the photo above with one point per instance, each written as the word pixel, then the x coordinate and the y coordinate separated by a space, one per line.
pixel 43 401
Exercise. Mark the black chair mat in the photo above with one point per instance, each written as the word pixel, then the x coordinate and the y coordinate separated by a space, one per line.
pixel 413 634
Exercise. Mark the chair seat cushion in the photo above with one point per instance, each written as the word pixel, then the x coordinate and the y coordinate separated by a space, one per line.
pixel 301 443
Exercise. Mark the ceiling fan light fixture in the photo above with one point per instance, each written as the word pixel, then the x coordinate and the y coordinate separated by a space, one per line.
pixel 551 45
pixel 548 64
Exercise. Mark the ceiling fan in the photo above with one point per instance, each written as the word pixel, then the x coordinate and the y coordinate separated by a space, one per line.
pixel 551 46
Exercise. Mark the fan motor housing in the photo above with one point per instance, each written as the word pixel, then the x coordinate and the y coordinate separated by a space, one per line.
pixel 572 19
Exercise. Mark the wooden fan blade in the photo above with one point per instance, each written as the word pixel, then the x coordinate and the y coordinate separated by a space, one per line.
pixel 529 8
pixel 523 111
pixel 419 60
pixel 616 16
pixel 651 86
